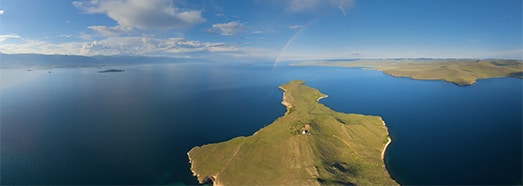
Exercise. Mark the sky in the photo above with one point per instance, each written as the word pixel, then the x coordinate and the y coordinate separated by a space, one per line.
pixel 271 30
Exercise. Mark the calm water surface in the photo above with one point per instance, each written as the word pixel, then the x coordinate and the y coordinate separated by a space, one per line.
pixel 78 126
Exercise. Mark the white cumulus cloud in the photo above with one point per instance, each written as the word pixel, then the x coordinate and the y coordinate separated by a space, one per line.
pixel 9 36
pixel 1 12
pixel 227 29
pixel 140 14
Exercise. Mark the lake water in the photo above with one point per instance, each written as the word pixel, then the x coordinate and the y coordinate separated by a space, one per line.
pixel 78 126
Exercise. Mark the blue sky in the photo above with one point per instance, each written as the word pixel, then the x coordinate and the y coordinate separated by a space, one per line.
pixel 265 29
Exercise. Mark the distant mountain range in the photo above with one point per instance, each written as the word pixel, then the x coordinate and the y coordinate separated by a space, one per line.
pixel 68 61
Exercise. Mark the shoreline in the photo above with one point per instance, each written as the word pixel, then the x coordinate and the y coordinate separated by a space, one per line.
pixel 212 179
pixel 284 102
pixel 389 140
pixel 385 149
pixel 323 96
pixel 460 68
pixel 192 167
pixel 248 165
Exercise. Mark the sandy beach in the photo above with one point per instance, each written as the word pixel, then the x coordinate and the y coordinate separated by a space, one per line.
pixel 285 102
pixel 324 96
pixel 385 147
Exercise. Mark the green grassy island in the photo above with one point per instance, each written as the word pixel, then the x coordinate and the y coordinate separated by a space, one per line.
pixel 310 145
pixel 458 71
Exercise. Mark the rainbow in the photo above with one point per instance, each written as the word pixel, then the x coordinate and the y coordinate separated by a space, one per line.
pixel 290 41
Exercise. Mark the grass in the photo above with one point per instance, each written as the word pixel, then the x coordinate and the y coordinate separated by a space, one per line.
pixel 340 148
pixel 459 71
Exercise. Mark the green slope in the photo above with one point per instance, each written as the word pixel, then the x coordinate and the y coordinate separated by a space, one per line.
pixel 339 148
pixel 458 71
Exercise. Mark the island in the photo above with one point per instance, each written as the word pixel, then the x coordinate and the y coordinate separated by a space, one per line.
pixel 309 145
pixel 111 70
pixel 461 72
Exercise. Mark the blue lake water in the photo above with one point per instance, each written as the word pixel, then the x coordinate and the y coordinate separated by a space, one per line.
pixel 78 126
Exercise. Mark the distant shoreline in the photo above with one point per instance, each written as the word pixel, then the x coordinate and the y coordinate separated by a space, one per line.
pixel 461 72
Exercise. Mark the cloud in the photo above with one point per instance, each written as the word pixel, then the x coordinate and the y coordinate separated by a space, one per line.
pixel 257 32
pixel 110 31
pixel 85 36
pixel 143 46
pixel 227 29
pixel 2 12
pixel 299 6
pixel 128 45
pixel 139 14
pixel 219 47
pixel 294 27
pixel 151 46
pixel 9 36
pixel 65 35
pixel 315 6
pixel 254 53
pixel 42 47
pixel 342 9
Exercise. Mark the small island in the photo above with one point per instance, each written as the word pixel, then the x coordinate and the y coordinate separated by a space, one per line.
pixel 309 145
pixel 461 72
pixel 111 70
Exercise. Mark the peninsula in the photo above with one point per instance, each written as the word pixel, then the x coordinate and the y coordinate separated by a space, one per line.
pixel 309 145
pixel 458 71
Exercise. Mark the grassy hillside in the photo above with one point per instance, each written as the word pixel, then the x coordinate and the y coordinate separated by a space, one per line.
pixel 459 72
pixel 338 148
